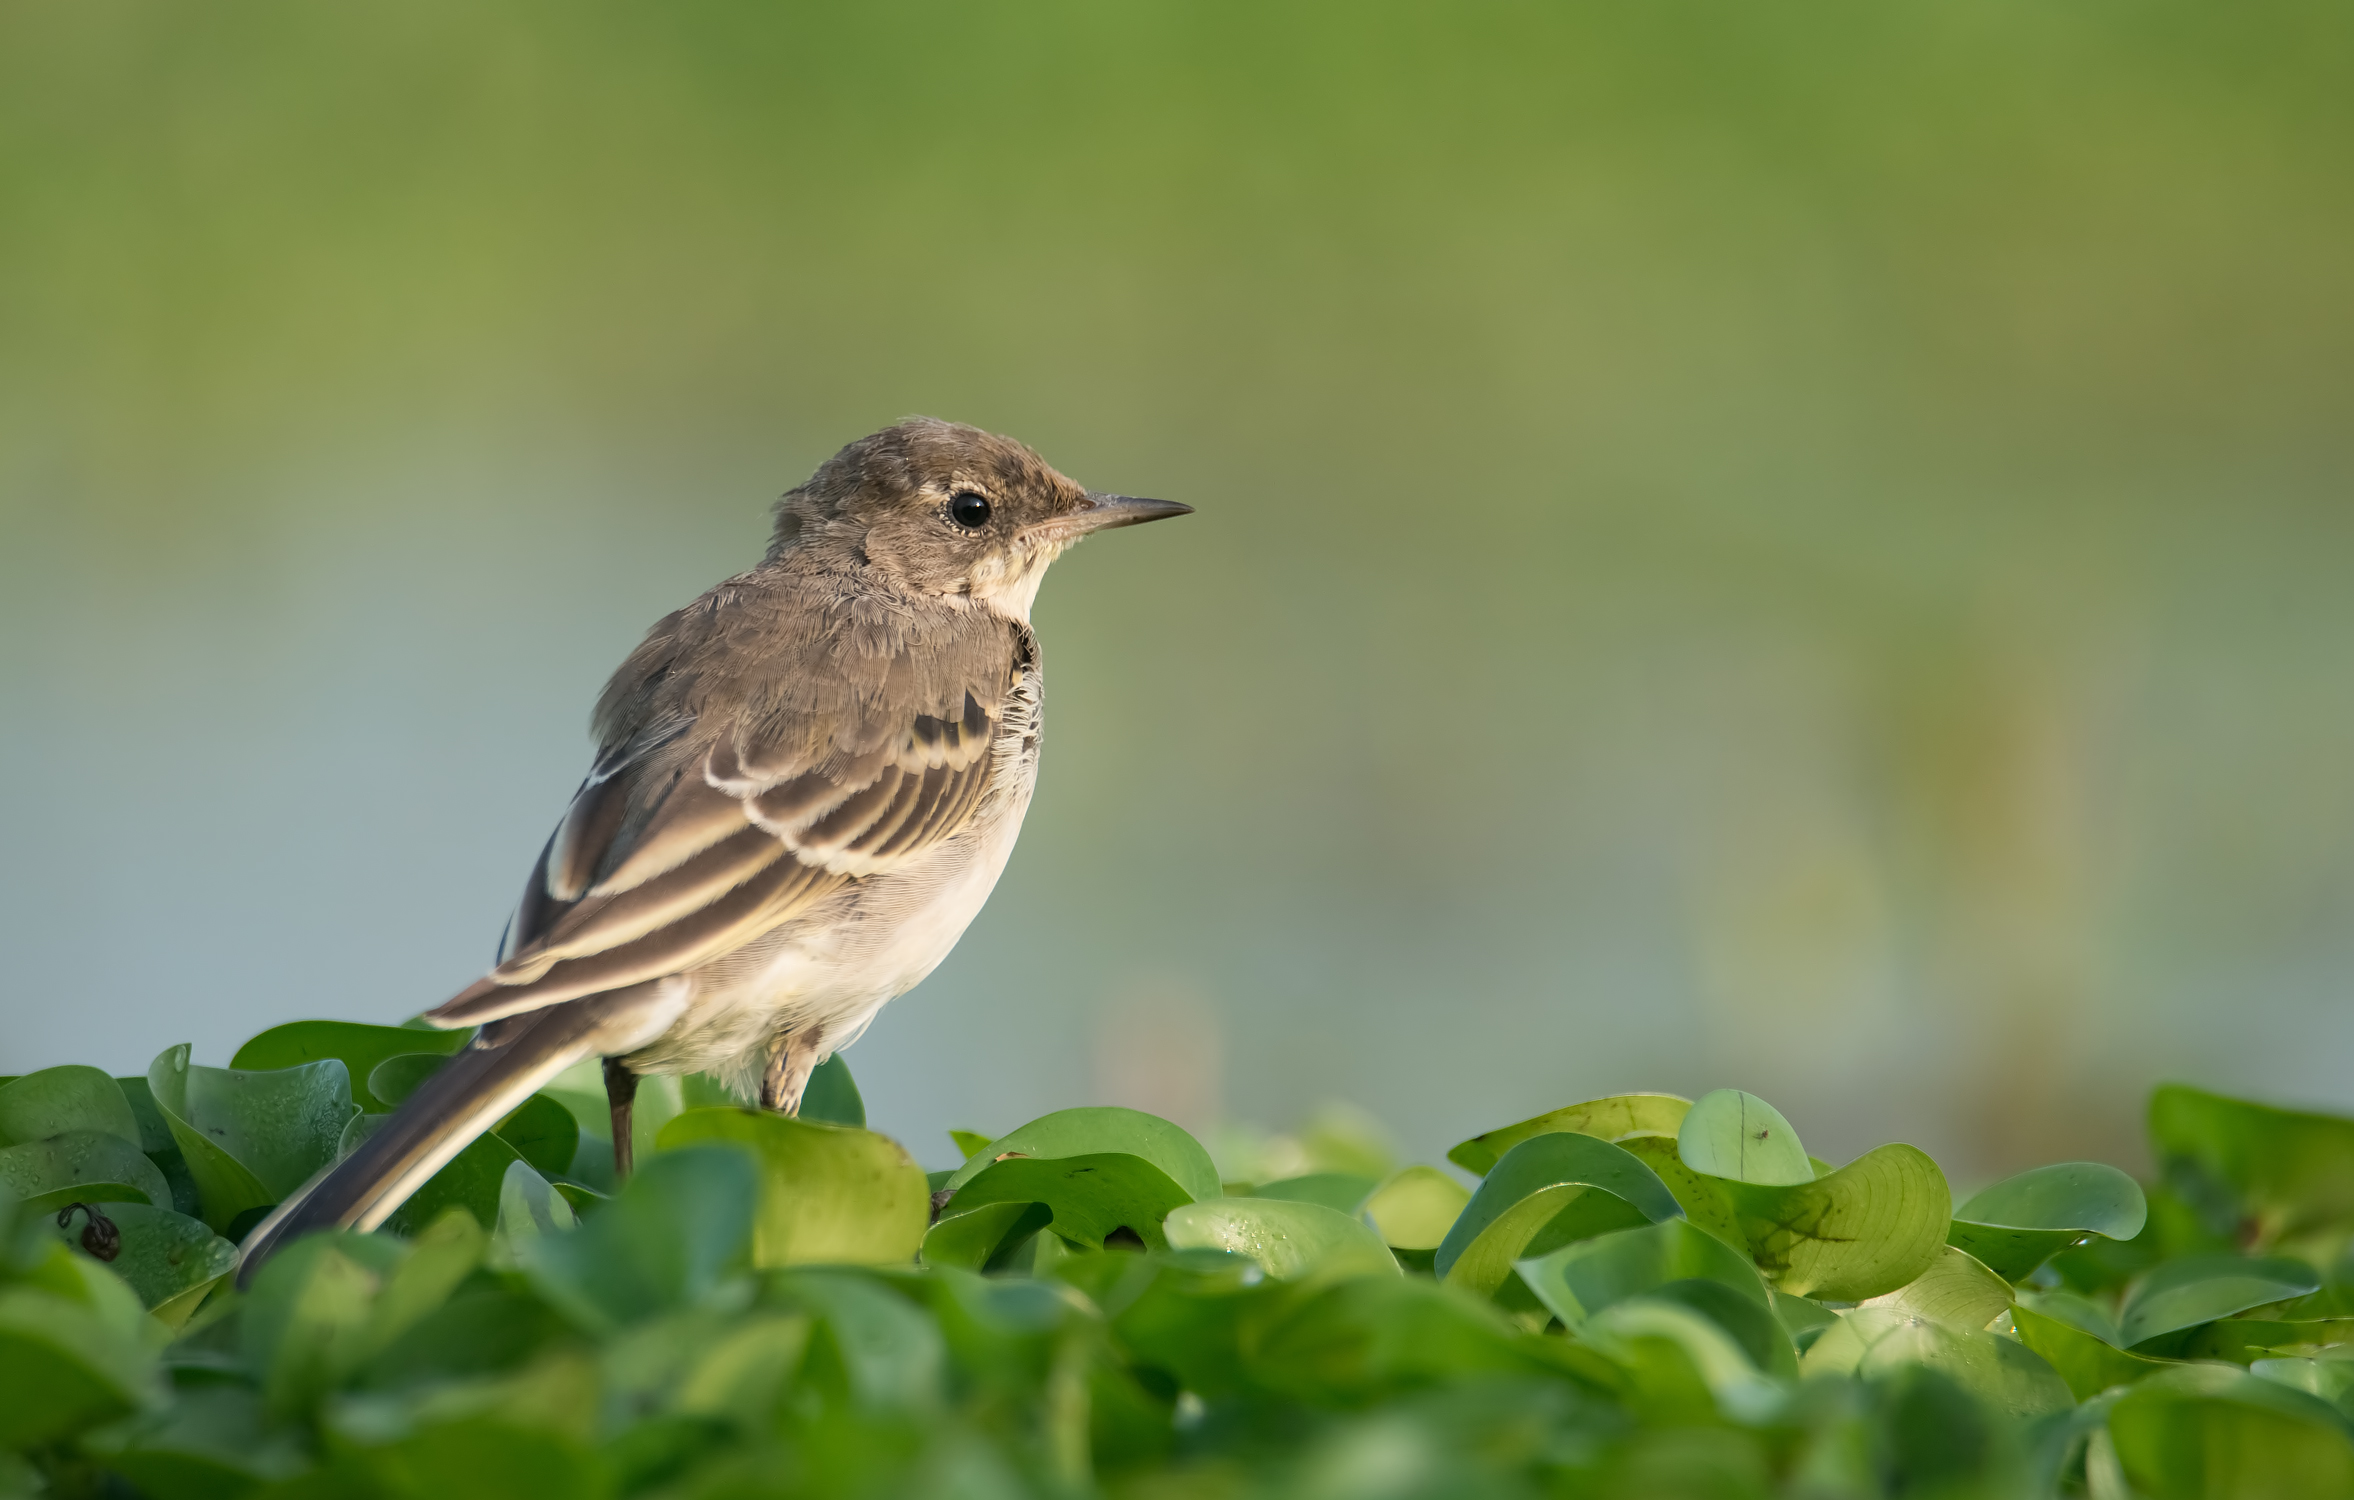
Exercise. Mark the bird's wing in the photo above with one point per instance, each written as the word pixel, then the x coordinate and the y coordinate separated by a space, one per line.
pixel 737 801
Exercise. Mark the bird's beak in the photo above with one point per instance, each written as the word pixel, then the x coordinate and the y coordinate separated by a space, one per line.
pixel 1103 512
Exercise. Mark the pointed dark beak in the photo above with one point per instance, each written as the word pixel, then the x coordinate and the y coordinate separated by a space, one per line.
pixel 1103 512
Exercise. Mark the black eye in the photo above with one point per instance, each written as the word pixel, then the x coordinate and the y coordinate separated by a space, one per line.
pixel 969 510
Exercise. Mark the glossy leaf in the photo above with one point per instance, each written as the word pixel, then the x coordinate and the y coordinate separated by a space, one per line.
pixel 402 1074
pixel 1706 1201
pixel 1106 1130
pixel 832 1097
pixel 974 1238
pixel 1956 1290
pixel 64 1367
pixel 360 1048
pixel 250 1138
pixel 2199 1289
pixel 1582 1278
pixel 543 1132
pixel 1741 1138
pixel 1087 1197
pixel 67 1166
pixel 968 1141
pixel 828 1194
pixel 1610 1119
pixel 1875 1342
pixel 2285 1170
pixel 530 1208
pixel 56 1101
pixel 2245 1340
pixel 162 1254
pixel 1546 1191
pixel 2023 1221
pixel 1416 1207
pixel 1868 1228
pixel 2088 1363
pixel 1289 1239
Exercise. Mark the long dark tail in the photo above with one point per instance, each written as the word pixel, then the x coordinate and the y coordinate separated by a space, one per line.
pixel 476 1090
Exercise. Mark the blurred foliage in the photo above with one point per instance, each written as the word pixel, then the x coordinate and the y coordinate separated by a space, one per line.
pixel 778 1307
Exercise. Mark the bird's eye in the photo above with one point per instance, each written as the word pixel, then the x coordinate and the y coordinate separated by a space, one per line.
pixel 969 510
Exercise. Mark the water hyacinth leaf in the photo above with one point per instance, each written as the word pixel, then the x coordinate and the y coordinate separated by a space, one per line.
pixel 881 1352
pixel 2023 1221
pixel 1741 1138
pixel 56 1101
pixel 1088 1196
pixel 81 1164
pixel 2332 1380
pixel 1580 1279
pixel 2288 1171
pixel 1341 1192
pixel 2088 1363
pixel 2199 1434
pixel 2246 1340
pixel 304 1318
pixel 1416 1207
pixel 1640 1330
pixel 1706 1200
pixel 1749 1323
pixel 529 1208
pixel 251 1138
pixel 1610 1119
pixel 161 1254
pixel 1874 1343
pixel 1288 1239
pixel 1546 1191
pixel 360 1048
pixel 974 1238
pixel 438 1259
pixel 1956 1290
pixel 64 1366
pixel 1868 1228
pixel 469 1180
pixel 1107 1130
pixel 968 1141
pixel 827 1193
pixel 1802 1319
pixel 155 1133
pixel 664 1242
pixel 832 1097
pixel 394 1079
pixel 213 1441
pixel 543 1132
pixel 2201 1288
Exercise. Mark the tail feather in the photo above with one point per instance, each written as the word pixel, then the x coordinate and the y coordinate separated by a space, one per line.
pixel 478 1088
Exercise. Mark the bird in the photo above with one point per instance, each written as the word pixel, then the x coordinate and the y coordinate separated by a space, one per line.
pixel 806 784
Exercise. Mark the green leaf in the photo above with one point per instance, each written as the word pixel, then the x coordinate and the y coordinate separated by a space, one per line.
pixel 64 1367
pixel 1546 1191
pixel 250 1138
pixel 2245 1340
pixel 2206 1434
pixel 1416 1207
pixel 969 1141
pixel 1956 1290
pixel 832 1096
pixel 162 1254
pixel 2287 1171
pixel 358 1047
pixel 2201 1288
pixel 1666 1345
pixel 973 1239
pixel 529 1208
pixel 543 1132
pixel 57 1170
pixel 1868 1228
pixel 1610 1119
pixel 1876 1342
pixel 1290 1239
pixel 827 1193
pixel 1088 1196
pixel 879 1351
pixel 1741 1138
pixel 2023 1221
pixel 1342 1192
pixel 1106 1130
pixel 1706 1201
pixel 303 1324
pixel 401 1075
pixel 56 1101
pixel 1580 1279
pixel 1355 1339
pixel 439 1258
pixel 665 1242
pixel 213 1441
pixel 2089 1364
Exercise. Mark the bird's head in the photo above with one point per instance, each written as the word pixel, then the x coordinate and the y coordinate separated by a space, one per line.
pixel 942 508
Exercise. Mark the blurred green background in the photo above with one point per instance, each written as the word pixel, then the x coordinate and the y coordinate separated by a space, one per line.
pixel 1802 547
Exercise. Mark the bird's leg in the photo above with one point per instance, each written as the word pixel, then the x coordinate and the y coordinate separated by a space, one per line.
pixel 792 1057
pixel 621 1091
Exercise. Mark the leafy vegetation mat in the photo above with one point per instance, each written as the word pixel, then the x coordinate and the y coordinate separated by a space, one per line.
pixel 1640 1296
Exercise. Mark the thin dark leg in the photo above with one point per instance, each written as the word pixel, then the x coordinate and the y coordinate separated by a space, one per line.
pixel 621 1091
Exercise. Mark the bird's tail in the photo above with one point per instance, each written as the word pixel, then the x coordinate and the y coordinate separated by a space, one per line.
pixel 478 1088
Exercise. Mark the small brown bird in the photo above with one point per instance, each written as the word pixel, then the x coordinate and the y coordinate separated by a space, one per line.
pixel 807 783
